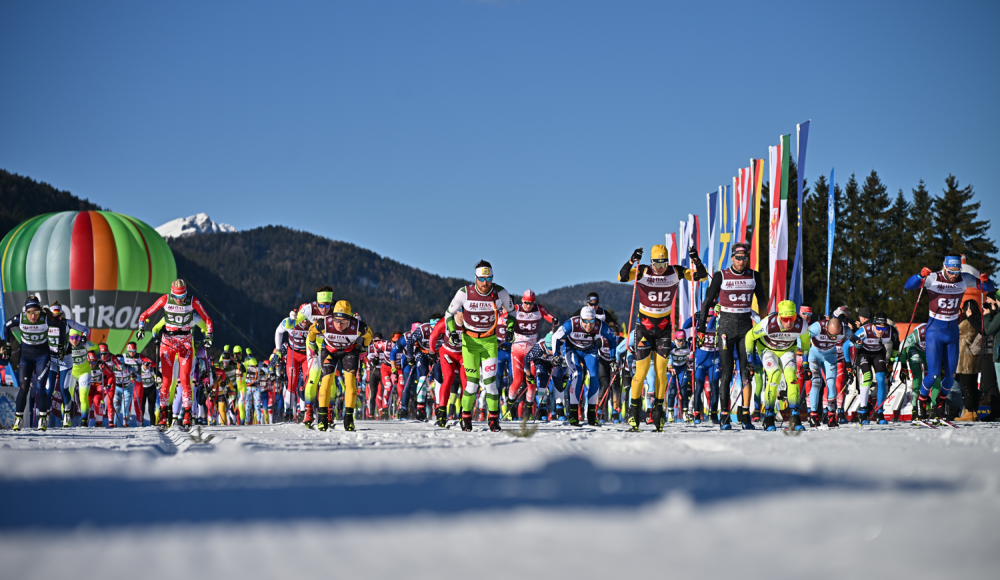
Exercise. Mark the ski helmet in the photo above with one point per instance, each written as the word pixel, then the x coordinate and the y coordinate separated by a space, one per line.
pixel 588 314
pixel 528 296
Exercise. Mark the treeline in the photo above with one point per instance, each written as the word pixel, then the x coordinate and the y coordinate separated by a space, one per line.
pixel 22 198
pixel 880 240
pixel 256 277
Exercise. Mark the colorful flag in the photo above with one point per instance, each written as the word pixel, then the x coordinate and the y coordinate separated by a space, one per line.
pixel 672 254
pixel 796 293
pixel 779 223
pixel 757 181
pixel 712 228
pixel 831 213
pixel 725 226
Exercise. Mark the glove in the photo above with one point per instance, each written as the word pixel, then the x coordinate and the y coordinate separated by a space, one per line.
pixel 411 360
pixel 636 255
pixel 274 359
pixel 140 333
pixel 454 336
pixel 504 346
pixel 555 321
pixel 904 375
pixel 807 375
pixel 558 361
pixel 925 272
pixel 699 325
pixel 5 351
pixel 984 277
pixel 850 375
pixel 614 367
pixel 208 340
pixel 60 351
pixel 750 370
pixel 284 350
pixel 693 254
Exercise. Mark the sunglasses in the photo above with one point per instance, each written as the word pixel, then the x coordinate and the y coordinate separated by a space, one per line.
pixel 484 279
pixel 663 261
pixel 588 320
pixel 76 337
pixel 787 319
pixel 953 272
pixel 323 305
pixel 881 328
pixel 740 257
pixel 593 303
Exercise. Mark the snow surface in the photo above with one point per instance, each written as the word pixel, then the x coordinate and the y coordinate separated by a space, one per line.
pixel 408 499
pixel 193 225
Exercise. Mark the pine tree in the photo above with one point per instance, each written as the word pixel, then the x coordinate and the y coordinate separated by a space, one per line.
pixel 899 257
pixel 957 229
pixel 874 243
pixel 848 249
pixel 814 246
pixel 921 229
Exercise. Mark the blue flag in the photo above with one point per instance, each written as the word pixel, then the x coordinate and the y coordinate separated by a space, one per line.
pixel 831 212
pixel 795 290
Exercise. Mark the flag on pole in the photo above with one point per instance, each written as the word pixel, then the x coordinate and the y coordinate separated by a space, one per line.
pixel 831 213
pixel 694 233
pixel 683 292
pixel 712 228
pixel 753 233
pixel 672 254
pixel 778 237
pixel 725 226
pixel 796 293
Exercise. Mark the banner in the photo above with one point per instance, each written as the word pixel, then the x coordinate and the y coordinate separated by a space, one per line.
pixel 8 373
pixel 712 228
pixel 831 213
pixel 796 292
pixel 694 234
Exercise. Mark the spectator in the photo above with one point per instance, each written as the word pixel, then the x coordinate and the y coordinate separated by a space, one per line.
pixel 969 364
pixel 991 364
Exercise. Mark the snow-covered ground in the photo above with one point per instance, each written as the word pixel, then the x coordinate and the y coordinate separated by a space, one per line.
pixel 405 498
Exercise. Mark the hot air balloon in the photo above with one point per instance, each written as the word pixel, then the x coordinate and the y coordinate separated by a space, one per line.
pixel 105 268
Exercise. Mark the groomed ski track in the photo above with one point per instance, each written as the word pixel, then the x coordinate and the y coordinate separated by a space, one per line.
pixel 408 499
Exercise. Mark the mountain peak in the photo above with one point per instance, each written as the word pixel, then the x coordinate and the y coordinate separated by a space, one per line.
pixel 193 225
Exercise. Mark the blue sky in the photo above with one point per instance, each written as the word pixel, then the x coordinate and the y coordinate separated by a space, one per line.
pixel 549 137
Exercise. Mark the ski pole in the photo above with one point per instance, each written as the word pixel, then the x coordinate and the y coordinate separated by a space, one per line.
pixel 631 310
pixel 909 328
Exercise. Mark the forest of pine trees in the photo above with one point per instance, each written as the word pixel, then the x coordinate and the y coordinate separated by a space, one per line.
pixel 880 240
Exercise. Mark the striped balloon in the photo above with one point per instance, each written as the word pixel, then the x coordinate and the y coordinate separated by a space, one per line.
pixel 105 268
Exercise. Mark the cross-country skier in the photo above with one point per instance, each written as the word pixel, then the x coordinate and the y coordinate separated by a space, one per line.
pixel 576 340
pixel 345 341
pixel 33 325
pixel 778 334
pixel 825 354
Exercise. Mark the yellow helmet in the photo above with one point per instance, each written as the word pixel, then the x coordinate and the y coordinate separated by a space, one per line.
pixel 659 252
pixel 342 309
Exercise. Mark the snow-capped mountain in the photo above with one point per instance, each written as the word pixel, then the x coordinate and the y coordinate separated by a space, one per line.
pixel 192 225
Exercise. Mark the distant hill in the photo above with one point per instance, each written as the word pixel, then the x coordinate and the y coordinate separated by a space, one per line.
pixel 568 300
pixel 22 198
pixel 256 276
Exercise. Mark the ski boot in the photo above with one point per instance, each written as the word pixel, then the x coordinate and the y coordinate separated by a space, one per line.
pixel 43 421
pixel 441 417
pixel 574 415
pixel 745 419
pixel 493 421
pixel 657 414
pixel 421 412
pixel 560 412
pixel 592 417
pixel 163 418
pixel 831 420
pixel 795 422
pixel 696 418
pixel 402 413
pixel 881 419
pixel 466 421
pixel 814 420
pixel 756 416
pixel 725 423
pixel 616 417
pixel 18 420
pixel 349 419
pixel 186 422
pixel 528 411
pixel 769 420
pixel 67 419
pixel 634 417
pixel 714 418
pixel 322 419
pixel 862 416
pixel 940 411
